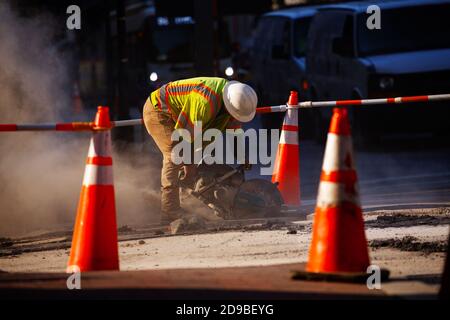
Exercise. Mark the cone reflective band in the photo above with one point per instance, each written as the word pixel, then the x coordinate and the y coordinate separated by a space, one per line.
pixel 286 172
pixel 338 242
pixel 94 242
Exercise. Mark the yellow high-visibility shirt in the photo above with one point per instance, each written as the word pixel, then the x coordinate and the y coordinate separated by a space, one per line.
pixel 195 99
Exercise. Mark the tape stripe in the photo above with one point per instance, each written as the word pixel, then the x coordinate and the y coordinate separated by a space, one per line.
pixel 346 102
pixel 71 126
pixel 415 99
pixel 281 108
pixel 8 127
pixel 32 127
pixel 264 110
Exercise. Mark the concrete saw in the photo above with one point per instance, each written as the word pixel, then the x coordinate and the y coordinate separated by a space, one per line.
pixel 225 190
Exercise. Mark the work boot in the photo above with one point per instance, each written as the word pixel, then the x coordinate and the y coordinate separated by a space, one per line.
pixel 165 220
pixel 168 217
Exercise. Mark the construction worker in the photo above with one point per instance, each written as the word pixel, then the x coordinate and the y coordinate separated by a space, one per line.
pixel 216 102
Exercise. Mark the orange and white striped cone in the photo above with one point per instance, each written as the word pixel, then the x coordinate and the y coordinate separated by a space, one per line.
pixel 338 249
pixel 286 172
pixel 339 243
pixel 94 242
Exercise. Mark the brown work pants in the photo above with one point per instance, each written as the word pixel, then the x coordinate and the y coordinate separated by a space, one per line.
pixel 160 126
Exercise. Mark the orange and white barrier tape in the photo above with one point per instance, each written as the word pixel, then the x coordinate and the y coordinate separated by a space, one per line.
pixel 89 126
pixel 66 126
pixel 71 126
pixel 367 102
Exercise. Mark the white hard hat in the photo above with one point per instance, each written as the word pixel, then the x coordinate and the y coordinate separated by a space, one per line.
pixel 240 101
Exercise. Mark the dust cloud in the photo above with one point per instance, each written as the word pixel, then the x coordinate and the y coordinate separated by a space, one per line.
pixel 41 172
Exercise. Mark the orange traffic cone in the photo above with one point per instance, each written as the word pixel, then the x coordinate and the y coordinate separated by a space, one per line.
pixel 339 243
pixel 286 172
pixel 94 243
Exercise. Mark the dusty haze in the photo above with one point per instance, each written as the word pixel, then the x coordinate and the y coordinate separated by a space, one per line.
pixel 41 172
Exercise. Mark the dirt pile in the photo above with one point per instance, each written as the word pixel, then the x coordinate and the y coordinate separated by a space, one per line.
pixel 410 243
pixel 406 220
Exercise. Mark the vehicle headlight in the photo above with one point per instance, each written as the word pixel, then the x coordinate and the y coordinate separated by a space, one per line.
pixel 153 76
pixel 229 71
pixel 386 83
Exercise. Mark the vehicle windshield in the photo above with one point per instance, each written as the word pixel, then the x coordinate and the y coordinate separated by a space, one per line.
pixel 301 27
pixel 173 44
pixel 406 29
